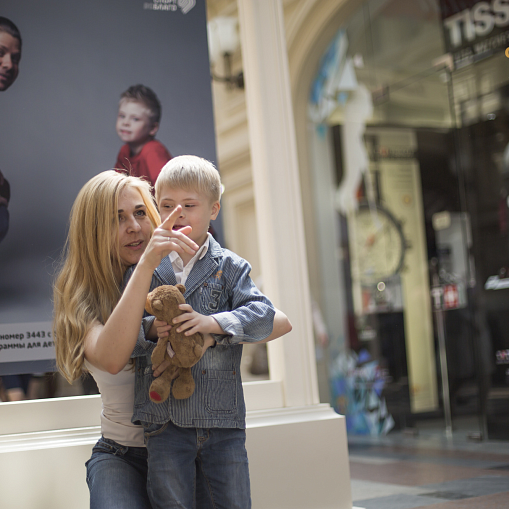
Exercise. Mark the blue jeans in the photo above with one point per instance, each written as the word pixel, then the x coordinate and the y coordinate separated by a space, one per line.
pixel 117 476
pixel 215 458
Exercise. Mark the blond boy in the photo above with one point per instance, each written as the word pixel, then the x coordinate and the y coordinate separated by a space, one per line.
pixel 202 439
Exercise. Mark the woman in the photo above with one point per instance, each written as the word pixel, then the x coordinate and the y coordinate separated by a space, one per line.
pixel 96 324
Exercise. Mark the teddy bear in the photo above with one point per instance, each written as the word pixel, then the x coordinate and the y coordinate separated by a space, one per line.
pixel 163 303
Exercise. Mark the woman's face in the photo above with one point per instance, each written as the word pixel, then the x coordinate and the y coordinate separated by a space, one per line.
pixel 134 230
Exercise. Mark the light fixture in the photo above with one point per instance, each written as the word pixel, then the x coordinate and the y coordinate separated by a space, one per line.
pixel 223 42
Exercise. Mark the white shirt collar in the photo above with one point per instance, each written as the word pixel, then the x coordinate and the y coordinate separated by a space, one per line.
pixel 177 263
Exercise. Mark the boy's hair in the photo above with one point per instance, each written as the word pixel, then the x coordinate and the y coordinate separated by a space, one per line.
pixel 6 25
pixel 146 96
pixel 190 173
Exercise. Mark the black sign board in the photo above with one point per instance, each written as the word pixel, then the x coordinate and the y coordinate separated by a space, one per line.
pixel 474 30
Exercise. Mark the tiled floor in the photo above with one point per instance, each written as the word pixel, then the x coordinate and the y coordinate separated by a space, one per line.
pixel 400 471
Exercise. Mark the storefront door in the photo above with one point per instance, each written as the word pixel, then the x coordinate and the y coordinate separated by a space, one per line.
pixel 429 255
pixel 481 100
pixel 425 90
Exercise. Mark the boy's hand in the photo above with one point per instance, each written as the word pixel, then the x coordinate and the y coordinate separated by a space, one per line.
pixel 158 329
pixel 191 322
pixel 162 328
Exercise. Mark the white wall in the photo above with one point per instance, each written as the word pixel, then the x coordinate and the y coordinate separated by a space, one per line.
pixel 298 459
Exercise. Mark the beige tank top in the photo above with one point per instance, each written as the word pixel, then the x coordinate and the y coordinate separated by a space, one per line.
pixel 117 395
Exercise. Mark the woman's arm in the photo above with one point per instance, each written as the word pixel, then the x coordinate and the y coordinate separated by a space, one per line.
pixel 109 346
pixel 281 326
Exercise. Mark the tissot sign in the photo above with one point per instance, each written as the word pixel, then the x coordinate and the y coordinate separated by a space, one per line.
pixel 474 30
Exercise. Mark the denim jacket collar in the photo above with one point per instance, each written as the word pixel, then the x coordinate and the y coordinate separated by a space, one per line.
pixel 207 265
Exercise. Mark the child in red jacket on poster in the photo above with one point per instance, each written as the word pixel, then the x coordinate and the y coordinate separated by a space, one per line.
pixel 139 114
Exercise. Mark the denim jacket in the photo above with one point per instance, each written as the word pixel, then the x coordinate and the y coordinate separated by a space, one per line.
pixel 219 285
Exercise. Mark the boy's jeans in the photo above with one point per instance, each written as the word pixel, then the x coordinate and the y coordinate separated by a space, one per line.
pixel 117 476
pixel 217 456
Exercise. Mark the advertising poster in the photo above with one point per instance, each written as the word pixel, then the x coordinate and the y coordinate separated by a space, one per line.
pixel 59 102
pixel 474 30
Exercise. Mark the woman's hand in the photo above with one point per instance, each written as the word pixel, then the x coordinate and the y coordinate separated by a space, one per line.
pixel 158 370
pixel 165 239
pixel 208 341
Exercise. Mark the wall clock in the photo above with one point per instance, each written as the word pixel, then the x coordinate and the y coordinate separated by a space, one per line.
pixel 380 243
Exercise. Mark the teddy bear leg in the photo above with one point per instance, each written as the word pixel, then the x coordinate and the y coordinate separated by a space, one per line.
pixel 160 387
pixel 184 385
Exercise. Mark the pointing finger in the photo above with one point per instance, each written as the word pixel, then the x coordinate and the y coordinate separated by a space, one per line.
pixel 168 223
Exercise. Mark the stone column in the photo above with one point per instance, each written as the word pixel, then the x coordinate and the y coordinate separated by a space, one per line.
pixel 278 194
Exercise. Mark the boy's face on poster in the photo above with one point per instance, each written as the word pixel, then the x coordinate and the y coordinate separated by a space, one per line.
pixel 10 56
pixel 134 125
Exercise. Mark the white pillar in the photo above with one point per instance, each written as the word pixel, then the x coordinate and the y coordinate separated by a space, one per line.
pixel 278 194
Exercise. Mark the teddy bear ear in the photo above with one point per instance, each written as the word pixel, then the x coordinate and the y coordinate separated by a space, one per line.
pixel 182 288
pixel 157 304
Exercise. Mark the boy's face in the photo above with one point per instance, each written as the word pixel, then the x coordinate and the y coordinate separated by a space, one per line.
pixel 197 210
pixel 134 125
pixel 10 55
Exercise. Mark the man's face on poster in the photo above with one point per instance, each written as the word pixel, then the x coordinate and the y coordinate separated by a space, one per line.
pixel 10 55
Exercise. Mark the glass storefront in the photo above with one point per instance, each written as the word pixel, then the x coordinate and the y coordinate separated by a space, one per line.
pixel 421 169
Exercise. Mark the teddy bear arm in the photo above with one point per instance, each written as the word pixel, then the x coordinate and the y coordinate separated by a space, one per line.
pixel 159 352
pixel 187 352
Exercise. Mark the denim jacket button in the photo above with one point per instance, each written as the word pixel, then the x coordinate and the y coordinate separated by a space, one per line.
pixel 204 372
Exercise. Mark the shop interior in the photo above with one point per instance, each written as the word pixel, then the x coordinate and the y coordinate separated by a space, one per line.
pixel 427 247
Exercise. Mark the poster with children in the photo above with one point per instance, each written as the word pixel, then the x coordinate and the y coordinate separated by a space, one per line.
pixel 85 87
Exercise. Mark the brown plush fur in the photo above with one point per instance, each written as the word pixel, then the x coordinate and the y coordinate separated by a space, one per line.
pixel 163 303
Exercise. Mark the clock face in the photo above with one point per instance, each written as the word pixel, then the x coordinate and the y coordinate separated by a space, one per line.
pixel 380 244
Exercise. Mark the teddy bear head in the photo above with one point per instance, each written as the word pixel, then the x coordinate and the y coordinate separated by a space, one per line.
pixel 164 301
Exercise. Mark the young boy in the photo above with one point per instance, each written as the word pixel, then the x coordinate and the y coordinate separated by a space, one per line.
pixel 139 114
pixel 200 441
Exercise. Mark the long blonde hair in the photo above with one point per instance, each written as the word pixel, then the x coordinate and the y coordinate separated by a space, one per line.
pixel 88 285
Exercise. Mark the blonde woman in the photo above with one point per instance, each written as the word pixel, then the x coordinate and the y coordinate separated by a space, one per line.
pixel 112 226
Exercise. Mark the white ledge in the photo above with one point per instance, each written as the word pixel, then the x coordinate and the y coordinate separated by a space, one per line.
pixel 49 439
pixel 88 435
pixel 290 415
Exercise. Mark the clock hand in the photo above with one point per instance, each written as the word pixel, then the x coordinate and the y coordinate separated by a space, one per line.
pixel 371 239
